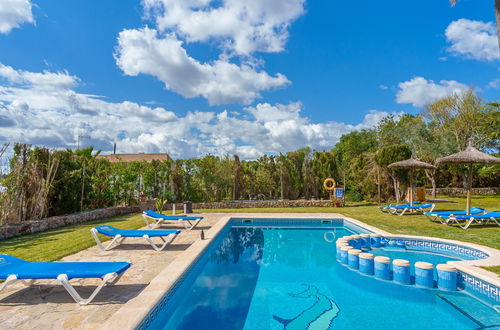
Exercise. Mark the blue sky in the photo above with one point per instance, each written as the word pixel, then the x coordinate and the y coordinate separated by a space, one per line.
pixel 196 77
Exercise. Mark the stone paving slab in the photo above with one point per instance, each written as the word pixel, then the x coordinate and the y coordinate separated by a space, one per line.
pixel 47 305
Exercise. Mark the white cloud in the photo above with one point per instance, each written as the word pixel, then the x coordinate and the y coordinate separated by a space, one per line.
pixel 54 114
pixel 220 82
pixel 420 91
pixel 494 84
pixel 238 28
pixel 473 39
pixel 383 87
pixel 265 112
pixel 13 13
pixel 242 26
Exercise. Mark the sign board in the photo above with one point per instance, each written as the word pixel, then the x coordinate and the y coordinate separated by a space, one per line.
pixel 339 193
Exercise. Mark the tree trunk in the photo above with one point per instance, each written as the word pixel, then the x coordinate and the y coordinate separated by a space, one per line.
pixel 433 182
pixel 396 189
pixel 431 175
pixel 497 15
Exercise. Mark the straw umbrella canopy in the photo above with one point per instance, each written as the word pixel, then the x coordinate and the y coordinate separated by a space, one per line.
pixel 411 164
pixel 468 157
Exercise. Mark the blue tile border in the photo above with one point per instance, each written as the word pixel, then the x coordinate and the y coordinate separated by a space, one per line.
pixel 287 221
pixel 430 245
pixel 482 290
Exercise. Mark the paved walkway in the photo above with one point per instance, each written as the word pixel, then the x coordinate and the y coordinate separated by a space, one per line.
pixel 49 306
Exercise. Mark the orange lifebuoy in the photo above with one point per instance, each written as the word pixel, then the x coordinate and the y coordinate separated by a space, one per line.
pixel 329 184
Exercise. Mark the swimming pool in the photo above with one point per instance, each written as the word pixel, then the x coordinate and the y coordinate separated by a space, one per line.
pixel 268 276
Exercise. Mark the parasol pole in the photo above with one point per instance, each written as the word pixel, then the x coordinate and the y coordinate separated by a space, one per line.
pixel 469 189
pixel 411 186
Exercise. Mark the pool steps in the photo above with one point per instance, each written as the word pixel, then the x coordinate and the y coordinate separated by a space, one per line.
pixel 350 252
pixel 366 263
pixel 424 274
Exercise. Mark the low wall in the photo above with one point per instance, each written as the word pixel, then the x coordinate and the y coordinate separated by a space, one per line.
pixel 256 204
pixel 462 191
pixel 33 226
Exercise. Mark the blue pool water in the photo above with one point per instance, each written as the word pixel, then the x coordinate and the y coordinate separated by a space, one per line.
pixel 276 278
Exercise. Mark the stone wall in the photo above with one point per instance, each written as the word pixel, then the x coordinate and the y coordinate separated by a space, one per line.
pixel 462 191
pixel 253 204
pixel 33 226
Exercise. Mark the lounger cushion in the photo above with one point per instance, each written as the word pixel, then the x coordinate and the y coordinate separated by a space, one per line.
pixel 153 214
pixel 391 206
pixel 473 210
pixel 420 206
pixel 50 270
pixel 112 231
pixel 494 214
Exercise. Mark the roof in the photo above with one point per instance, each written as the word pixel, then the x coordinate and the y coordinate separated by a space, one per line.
pixel 411 163
pixel 469 156
pixel 140 157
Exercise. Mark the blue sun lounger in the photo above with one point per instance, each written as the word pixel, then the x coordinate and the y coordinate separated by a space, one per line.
pixel 386 208
pixel 157 218
pixel 464 221
pixel 419 208
pixel 441 216
pixel 13 269
pixel 119 235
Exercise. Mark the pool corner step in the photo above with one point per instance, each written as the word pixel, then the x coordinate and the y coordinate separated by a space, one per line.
pixel 485 316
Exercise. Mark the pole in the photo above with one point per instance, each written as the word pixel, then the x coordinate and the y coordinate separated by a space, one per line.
pixel 83 186
pixel 345 190
pixel 411 187
pixel 281 181
pixel 469 189
pixel 378 184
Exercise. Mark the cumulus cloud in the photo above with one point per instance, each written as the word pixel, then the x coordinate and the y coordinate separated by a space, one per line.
pixel 420 91
pixel 220 82
pixel 494 83
pixel 13 13
pixel 236 28
pixel 473 39
pixel 242 26
pixel 44 108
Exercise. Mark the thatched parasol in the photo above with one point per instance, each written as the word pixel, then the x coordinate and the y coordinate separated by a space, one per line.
pixel 468 157
pixel 411 164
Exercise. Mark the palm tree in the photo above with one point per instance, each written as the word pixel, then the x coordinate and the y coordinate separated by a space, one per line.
pixel 497 15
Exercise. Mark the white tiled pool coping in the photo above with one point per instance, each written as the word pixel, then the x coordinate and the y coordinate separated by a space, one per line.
pixel 133 312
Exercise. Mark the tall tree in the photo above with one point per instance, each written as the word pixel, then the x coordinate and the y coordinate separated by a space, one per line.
pixel 390 154
pixel 237 177
pixel 462 118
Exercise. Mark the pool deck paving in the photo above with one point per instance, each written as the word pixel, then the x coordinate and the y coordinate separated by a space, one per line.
pixel 47 305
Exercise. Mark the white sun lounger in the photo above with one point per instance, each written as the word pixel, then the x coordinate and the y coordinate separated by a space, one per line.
pixel 13 269
pixel 419 208
pixel 119 235
pixel 464 221
pixel 157 218
pixel 442 216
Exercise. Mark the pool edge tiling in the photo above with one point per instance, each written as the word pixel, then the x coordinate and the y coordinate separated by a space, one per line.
pixel 131 314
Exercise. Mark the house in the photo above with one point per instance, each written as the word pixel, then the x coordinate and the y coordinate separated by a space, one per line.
pixel 140 157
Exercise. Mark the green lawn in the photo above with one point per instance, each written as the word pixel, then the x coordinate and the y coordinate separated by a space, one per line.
pixel 57 243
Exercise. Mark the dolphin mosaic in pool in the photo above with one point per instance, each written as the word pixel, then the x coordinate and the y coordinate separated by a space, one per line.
pixel 319 316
